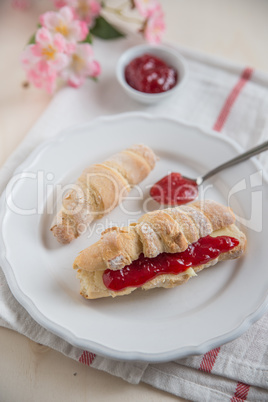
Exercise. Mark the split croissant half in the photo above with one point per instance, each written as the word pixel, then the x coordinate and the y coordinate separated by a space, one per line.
pixel 99 189
pixel 169 230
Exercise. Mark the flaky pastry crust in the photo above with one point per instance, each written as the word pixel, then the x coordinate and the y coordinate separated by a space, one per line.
pixel 170 230
pixel 99 189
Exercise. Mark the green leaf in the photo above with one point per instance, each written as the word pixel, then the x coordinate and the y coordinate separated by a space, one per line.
pixel 88 39
pixel 104 30
pixel 31 40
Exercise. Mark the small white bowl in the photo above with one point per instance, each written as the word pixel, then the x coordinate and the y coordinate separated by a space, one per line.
pixel 171 57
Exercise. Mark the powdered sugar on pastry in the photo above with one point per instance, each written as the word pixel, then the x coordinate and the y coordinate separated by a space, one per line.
pixel 116 262
pixel 170 231
pixel 200 220
pixel 99 189
pixel 155 232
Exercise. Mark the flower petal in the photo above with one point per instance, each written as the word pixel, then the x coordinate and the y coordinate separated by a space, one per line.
pixel 75 81
pixel 67 14
pixel 59 42
pixel 43 36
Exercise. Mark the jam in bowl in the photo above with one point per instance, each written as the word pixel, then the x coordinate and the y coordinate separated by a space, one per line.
pixel 150 73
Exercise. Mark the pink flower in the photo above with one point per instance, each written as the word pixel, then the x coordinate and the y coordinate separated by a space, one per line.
pixel 42 76
pixel 155 27
pixel 81 66
pixel 51 48
pixel 146 8
pixel 63 22
pixel 38 72
pixel 45 59
pixel 85 10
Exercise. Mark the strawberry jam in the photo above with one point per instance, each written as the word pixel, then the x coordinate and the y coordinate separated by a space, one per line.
pixel 144 269
pixel 174 189
pixel 150 74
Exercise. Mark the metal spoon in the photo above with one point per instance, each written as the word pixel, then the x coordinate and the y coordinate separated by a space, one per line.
pixel 240 158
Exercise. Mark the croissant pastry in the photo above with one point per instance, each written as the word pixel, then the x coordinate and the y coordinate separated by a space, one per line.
pixel 99 189
pixel 158 233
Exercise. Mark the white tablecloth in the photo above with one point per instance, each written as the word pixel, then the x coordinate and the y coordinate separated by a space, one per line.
pixel 231 99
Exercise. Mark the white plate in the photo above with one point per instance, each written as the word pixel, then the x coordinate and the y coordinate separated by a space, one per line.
pixel 159 325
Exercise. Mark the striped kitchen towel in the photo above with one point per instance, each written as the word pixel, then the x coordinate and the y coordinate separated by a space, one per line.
pixel 231 99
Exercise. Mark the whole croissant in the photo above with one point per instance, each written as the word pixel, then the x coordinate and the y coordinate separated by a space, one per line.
pixel 99 189
pixel 170 230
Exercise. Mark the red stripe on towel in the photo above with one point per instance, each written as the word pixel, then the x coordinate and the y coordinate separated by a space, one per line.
pixel 244 78
pixel 241 392
pixel 87 358
pixel 208 360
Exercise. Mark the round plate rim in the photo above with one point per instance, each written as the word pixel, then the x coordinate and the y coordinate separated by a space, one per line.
pixel 92 346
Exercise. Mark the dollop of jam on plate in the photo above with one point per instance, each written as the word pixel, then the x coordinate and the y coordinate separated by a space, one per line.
pixel 174 189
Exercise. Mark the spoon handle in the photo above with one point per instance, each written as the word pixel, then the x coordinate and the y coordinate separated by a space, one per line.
pixel 240 158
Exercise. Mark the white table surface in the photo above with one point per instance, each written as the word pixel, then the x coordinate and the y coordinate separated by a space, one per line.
pixel 236 30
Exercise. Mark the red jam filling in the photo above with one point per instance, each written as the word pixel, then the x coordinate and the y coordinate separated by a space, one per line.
pixel 150 74
pixel 174 189
pixel 144 269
